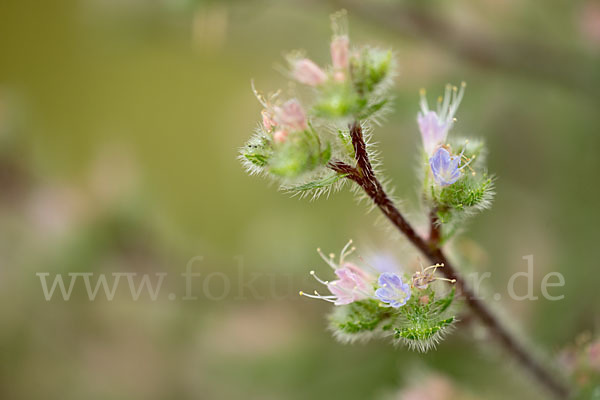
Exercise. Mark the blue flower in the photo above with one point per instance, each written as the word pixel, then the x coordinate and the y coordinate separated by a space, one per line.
pixel 446 168
pixel 392 290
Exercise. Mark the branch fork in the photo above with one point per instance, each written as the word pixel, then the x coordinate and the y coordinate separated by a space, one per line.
pixel 364 176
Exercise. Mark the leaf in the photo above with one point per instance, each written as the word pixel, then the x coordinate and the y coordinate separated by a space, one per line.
pixel 372 109
pixel 330 180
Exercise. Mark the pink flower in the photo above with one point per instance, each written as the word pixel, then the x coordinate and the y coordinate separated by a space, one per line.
pixel 280 135
pixel 433 131
pixel 268 121
pixel 354 284
pixel 434 125
pixel 307 72
pixel 291 116
pixel 339 56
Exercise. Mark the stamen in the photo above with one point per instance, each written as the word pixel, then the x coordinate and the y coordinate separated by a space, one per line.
pixel 329 261
pixel 446 279
pixel 323 297
pixel 456 100
pixel 423 102
pixel 435 267
pixel 447 98
pixel 259 96
pixel 343 253
pixel 317 296
pixel 318 279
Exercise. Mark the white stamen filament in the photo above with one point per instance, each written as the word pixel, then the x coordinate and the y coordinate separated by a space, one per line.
pixel 446 279
pixel 318 279
pixel 424 105
pixel 318 296
pixel 444 114
pixel 345 252
pixel 329 261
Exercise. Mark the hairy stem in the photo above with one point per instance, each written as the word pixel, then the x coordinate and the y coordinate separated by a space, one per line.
pixel 364 175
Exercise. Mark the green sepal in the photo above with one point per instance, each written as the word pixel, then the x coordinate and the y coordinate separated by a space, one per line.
pixel 421 330
pixel 466 192
pixel 358 317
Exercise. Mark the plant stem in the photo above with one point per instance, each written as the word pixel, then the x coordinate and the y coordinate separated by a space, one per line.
pixel 364 175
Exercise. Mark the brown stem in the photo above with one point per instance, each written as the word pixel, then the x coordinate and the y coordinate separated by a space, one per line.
pixel 364 176
pixel 435 232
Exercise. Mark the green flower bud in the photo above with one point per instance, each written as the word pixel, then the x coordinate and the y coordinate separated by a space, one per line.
pixel 301 152
pixel 370 68
pixel 338 100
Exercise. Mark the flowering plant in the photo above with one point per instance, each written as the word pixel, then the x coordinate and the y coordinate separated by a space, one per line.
pixel 315 147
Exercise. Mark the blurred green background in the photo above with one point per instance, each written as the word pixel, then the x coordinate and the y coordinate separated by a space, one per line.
pixel 119 127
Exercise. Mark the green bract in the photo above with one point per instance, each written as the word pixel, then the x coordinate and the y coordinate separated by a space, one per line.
pixel 420 324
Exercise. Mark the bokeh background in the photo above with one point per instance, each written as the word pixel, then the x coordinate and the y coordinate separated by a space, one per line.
pixel 119 127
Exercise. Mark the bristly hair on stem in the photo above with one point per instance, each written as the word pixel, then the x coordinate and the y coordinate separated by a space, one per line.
pixel 313 149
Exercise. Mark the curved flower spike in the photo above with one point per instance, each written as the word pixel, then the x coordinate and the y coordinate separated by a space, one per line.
pixel 392 291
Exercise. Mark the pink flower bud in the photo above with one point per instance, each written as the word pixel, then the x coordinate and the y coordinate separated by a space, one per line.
pixel 280 136
pixel 291 116
pixel 307 72
pixel 339 52
pixel 339 76
pixel 268 122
